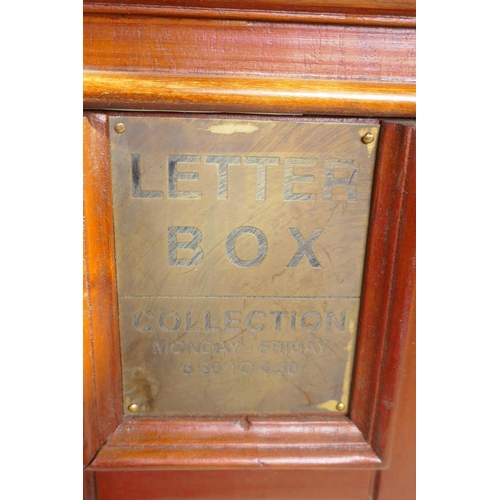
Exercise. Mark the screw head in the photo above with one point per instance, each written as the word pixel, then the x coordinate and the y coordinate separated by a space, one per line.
pixel 119 128
pixel 133 408
pixel 341 406
pixel 368 138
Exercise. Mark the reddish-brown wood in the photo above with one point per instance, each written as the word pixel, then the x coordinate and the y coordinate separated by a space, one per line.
pixel 399 324
pixel 89 485
pixel 388 288
pixel 296 5
pixel 243 49
pixel 110 90
pixel 234 485
pixel 259 441
pixel 326 6
pixel 244 442
pixel 399 479
pixel 331 57
pixel 102 391
pixel 401 14
pixel 91 441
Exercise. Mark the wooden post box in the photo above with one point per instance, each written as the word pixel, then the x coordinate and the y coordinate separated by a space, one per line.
pixel 249 260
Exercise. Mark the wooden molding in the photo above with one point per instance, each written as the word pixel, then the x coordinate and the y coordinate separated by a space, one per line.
pixel 159 63
pixel 101 364
pixel 235 442
pixel 328 58
pixel 388 289
pixel 399 479
pixel 135 91
pixel 364 14
pixel 360 440
pixel 406 6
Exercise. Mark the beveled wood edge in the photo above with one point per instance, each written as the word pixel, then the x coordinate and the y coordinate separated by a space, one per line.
pixel 404 289
pixel 102 371
pixel 91 438
pixel 248 442
pixel 388 287
pixel 156 92
pixel 400 20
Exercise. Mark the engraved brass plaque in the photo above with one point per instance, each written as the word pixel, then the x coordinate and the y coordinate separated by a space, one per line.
pixel 239 250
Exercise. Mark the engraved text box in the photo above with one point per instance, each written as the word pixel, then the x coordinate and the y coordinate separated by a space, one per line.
pixel 239 251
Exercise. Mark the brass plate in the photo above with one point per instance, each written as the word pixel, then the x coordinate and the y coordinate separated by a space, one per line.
pixel 239 251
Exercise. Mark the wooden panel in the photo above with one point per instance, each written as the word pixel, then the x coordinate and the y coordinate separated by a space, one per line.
pixel 388 288
pixel 399 479
pixel 89 485
pixel 189 65
pixel 403 289
pixel 304 442
pixel 111 90
pixel 237 48
pixel 91 439
pixel 102 391
pixel 239 442
pixel 233 485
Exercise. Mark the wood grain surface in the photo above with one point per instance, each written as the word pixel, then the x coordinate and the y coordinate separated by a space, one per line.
pixel 243 49
pixel 102 385
pixel 369 13
pixel 110 90
pixel 296 5
pixel 388 288
pixel 347 58
pixel 234 485
pixel 89 485
pixel 249 442
pixel 399 479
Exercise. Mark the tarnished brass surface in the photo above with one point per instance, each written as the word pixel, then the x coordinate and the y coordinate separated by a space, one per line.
pixel 239 251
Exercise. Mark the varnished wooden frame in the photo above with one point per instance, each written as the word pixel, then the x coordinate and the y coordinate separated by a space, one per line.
pixel 360 440
pixel 139 91
pixel 352 12
pixel 170 56
pixel 209 63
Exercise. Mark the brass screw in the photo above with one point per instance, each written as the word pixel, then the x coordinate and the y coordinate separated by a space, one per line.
pixel 133 408
pixel 119 128
pixel 341 406
pixel 367 138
